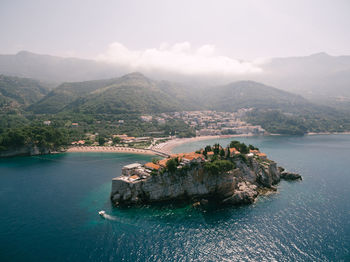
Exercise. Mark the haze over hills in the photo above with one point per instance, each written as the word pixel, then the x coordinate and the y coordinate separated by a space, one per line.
pixel 17 93
pixel 136 93
pixel 128 94
pixel 320 77
pixel 54 69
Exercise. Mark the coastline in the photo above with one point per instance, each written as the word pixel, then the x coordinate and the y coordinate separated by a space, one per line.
pixel 164 148
pixel 328 133
pixel 168 146
pixel 109 149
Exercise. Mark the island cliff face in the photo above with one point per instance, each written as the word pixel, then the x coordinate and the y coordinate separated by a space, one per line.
pixel 240 185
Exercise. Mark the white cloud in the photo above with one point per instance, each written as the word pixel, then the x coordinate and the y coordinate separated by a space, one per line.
pixel 179 58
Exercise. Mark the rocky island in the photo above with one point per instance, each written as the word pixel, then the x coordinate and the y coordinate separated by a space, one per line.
pixel 233 175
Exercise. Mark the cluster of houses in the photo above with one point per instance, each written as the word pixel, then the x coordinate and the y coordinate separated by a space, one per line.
pixel 124 139
pixel 130 139
pixel 136 171
pixel 80 142
pixel 212 122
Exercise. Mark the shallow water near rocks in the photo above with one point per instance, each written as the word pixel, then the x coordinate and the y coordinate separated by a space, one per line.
pixel 49 210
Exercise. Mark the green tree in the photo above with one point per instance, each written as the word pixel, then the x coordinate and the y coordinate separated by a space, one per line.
pixel 216 149
pixel 222 153
pixel 101 140
pixel 241 147
pixel 208 149
pixel 116 140
pixel 252 147
pixel 171 165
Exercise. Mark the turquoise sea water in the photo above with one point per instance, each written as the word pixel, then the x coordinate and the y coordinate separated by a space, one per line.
pixel 49 208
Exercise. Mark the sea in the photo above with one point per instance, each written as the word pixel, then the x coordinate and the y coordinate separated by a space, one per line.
pixel 49 210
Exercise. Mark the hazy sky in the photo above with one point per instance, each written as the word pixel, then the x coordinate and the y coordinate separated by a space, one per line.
pixel 162 29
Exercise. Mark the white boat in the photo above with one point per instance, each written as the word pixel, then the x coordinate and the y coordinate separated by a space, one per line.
pixel 102 213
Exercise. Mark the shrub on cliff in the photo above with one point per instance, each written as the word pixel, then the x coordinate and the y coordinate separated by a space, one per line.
pixel 218 166
pixel 241 157
pixel 172 164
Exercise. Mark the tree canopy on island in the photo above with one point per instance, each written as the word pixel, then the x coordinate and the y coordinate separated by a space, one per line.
pixel 241 147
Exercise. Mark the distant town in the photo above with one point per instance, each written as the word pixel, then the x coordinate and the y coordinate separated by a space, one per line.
pixel 212 122
pixel 204 123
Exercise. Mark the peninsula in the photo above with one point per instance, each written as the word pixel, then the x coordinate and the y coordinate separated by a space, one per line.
pixel 233 175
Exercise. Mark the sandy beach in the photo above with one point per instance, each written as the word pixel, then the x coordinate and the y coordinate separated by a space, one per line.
pixel 328 133
pixel 110 149
pixel 168 146
pixel 163 148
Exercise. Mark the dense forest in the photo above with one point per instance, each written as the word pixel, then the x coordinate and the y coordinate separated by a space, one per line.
pixel 42 137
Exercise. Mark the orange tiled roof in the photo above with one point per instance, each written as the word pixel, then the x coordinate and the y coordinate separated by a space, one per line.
pixel 189 156
pixel 135 177
pixel 261 154
pixel 234 150
pixel 193 155
pixel 128 138
pixel 177 155
pixel 151 165
pixel 163 162
pixel 254 151
pixel 210 153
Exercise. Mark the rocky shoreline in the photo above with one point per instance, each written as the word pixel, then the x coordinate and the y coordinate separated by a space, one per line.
pixel 29 151
pixel 193 182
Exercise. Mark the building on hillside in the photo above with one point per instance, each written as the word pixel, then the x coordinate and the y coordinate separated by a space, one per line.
pixel 146 118
pixel 125 138
pixel 129 169
pixel 141 139
pixel 261 155
pixel 233 152
pixel 254 151
pixel 210 154
pixel 80 142
pixel 152 166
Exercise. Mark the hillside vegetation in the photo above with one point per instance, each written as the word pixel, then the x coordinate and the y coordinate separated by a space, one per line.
pixel 136 93
pixel 17 93
pixel 98 105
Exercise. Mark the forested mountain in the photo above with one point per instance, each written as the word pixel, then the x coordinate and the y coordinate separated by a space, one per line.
pixel 128 94
pixel 67 93
pixel 17 93
pixel 137 93
pixel 246 94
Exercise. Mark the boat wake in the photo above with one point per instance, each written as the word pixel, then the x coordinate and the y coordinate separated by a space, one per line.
pixel 104 215
pixel 109 217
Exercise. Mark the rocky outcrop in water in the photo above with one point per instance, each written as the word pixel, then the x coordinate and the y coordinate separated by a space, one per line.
pixel 238 186
pixel 290 176
pixel 27 151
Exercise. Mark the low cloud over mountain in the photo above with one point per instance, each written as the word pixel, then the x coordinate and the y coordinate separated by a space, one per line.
pixel 179 58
